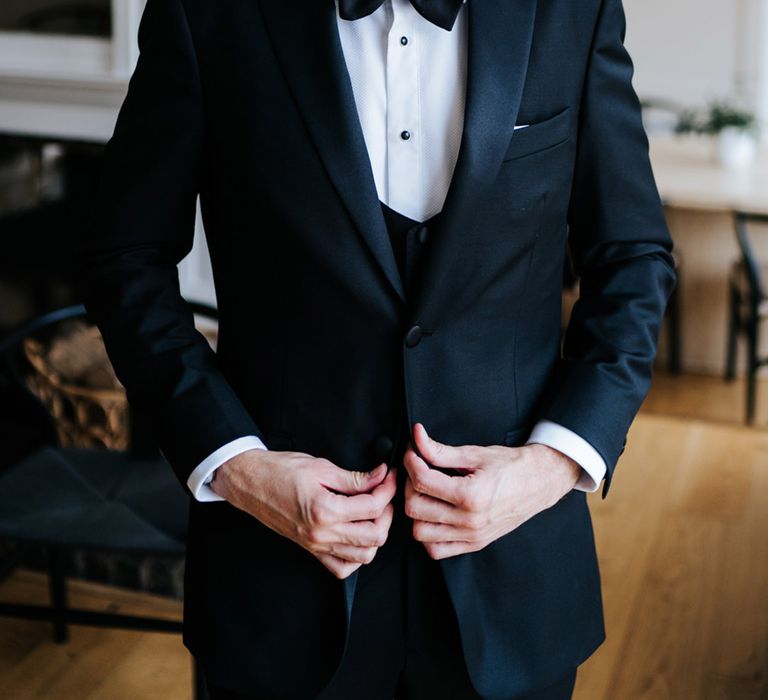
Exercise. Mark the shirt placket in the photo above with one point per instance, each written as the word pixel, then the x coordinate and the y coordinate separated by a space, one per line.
pixel 404 128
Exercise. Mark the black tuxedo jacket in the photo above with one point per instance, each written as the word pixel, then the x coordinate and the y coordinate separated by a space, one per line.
pixel 248 103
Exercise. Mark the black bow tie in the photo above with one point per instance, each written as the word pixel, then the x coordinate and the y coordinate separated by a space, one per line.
pixel 443 13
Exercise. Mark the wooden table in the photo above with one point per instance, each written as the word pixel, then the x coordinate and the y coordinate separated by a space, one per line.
pixel 700 196
pixel 689 176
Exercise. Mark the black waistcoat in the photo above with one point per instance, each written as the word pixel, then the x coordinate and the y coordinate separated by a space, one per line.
pixel 409 241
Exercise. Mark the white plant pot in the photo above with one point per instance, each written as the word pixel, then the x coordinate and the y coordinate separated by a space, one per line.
pixel 736 148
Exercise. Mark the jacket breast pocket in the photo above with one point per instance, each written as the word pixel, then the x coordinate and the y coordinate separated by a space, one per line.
pixel 539 136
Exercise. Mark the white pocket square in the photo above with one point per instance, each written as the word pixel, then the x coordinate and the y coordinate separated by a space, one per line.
pixel 522 126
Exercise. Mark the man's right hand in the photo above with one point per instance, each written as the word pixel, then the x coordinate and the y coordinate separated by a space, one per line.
pixel 341 517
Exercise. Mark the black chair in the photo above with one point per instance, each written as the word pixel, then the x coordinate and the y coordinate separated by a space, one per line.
pixel 65 500
pixel 747 305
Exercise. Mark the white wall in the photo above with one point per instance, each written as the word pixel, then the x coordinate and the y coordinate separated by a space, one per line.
pixel 760 40
pixel 683 50
pixel 692 51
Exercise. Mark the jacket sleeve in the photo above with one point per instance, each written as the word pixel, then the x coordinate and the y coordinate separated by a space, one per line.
pixel 141 228
pixel 621 249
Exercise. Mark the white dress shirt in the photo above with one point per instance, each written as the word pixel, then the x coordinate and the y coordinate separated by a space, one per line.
pixel 408 78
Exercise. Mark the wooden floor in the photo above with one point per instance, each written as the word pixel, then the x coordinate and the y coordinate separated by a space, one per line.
pixel 683 544
pixel 707 397
pixel 96 664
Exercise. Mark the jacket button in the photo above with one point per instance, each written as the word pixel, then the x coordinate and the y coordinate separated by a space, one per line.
pixel 413 337
pixel 381 448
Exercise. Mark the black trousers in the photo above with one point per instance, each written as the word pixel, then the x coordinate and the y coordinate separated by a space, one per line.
pixel 404 640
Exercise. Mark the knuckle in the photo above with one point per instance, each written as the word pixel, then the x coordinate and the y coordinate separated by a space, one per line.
pixel 348 570
pixel 318 513
pixel 315 536
pixel 369 555
pixel 309 535
pixel 475 452
pixel 473 501
pixel 468 502
pixel 376 510
pixel 476 538
pixel 477 520
pixel 471 521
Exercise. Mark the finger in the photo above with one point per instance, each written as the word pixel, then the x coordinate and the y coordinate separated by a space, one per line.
pixel 350 553
pixel 364 533
pixel 365 506
pixel 421 507
pixel 338 567
pixel 439 454
pixel 342 481
pixel 437 532
pixel 443 550
pixel 433 482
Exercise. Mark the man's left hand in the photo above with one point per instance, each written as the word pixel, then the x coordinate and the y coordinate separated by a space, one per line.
pixel 496 490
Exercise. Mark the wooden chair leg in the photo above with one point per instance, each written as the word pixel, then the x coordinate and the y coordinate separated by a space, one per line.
pixel 752 367
pixel 733 334
pixel 57 584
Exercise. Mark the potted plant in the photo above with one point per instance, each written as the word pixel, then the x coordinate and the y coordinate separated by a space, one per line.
pixel 734 128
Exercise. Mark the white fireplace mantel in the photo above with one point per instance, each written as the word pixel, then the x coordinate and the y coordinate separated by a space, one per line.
pixel 69 87
pixel 62 106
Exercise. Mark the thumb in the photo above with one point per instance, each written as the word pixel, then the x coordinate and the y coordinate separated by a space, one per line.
pixel 350 483
pixel 439 454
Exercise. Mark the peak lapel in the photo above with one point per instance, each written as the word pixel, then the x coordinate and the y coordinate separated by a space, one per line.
pixel 306 41
pixel 500 37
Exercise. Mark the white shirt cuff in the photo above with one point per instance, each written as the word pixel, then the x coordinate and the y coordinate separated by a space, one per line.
pixel 203 473
pixel 593 467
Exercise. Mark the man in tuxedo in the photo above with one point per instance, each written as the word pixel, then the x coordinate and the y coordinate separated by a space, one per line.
pixel 389 453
